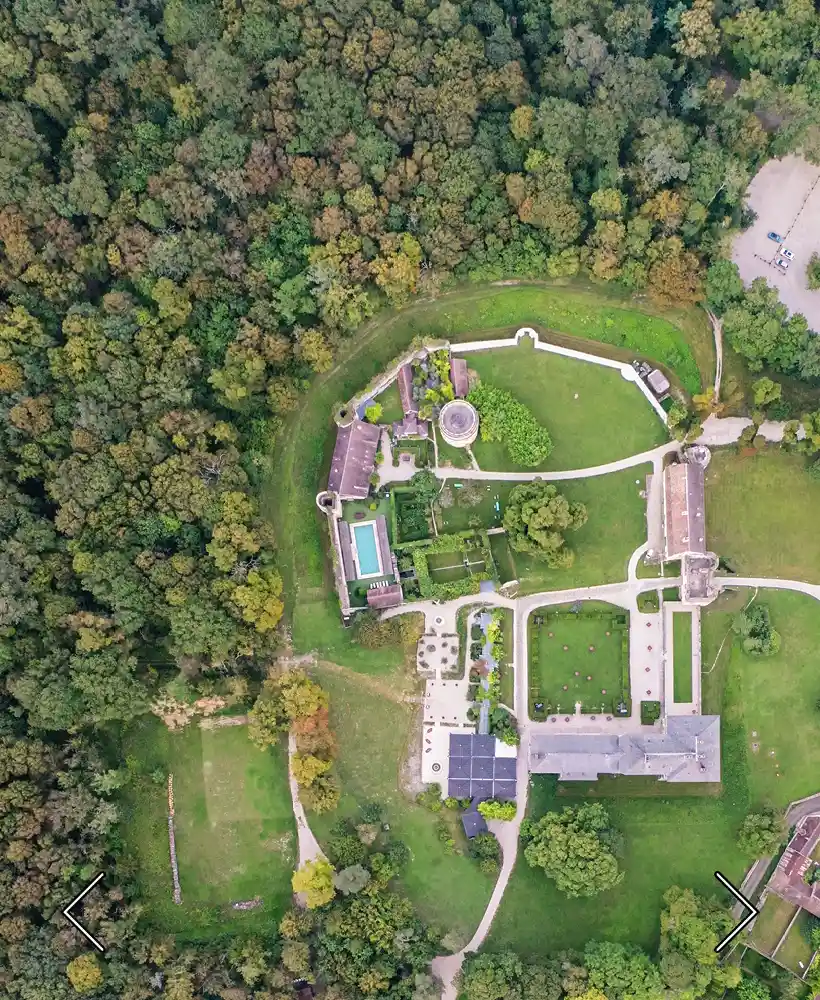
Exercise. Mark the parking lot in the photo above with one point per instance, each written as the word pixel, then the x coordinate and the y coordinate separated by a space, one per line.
pixel 785 194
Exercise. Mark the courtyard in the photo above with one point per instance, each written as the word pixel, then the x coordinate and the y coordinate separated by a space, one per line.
pixel 578 655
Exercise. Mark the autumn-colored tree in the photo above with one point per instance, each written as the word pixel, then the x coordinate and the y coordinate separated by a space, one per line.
pixel 315 880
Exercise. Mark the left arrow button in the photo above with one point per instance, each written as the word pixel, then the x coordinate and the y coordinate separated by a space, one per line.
pixel 70 917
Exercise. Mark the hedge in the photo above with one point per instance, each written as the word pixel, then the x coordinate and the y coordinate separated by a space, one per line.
pixel 503 418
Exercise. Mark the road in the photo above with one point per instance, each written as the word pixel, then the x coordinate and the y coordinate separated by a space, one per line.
pixel 654 455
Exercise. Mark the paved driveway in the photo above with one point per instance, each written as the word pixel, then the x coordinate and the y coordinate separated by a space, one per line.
pixel 786 196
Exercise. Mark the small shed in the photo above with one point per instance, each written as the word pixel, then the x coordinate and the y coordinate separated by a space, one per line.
pixel 658 382
pixel 473 823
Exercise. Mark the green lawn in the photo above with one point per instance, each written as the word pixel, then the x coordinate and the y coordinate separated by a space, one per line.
pixel 235 832
pixel 502 558
pixel 391 404
pixel 770 926
pixel 373 735
pixel 760 511
pixel 668 840
pixel 586 316
pixel 575 401
pixel 506 668
pixel 796 948
pixel 682 656
pixel 578 659
pixel 776 699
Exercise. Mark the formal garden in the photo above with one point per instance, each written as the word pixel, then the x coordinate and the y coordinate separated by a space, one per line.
pixel 579 654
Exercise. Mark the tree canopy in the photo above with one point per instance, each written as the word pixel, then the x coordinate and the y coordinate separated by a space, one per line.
pixel 576 848
pixel 535 519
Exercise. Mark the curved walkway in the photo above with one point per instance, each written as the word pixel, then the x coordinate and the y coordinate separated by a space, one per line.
pixel 770 583
pixel 309 849
pixel 654 455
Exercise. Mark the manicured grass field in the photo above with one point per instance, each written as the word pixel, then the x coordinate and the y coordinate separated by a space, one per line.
pixel 760 514
pixel 579 660
pixel 586 315
pixel 506 667
pixel 796 948
pixel 770 926
pixel 668 841
pixel 682 656
pixel 575 401
pixel 373 735
pixel 235 832
pixel 776 698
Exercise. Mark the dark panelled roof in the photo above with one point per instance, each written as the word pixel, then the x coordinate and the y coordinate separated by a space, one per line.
pixel 476 772
pixel 353 460
pixel 348 563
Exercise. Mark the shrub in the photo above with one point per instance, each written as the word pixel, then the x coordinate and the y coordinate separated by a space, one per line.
pixel 493 809
pixel 504 418
pixel 813 272
pixel 373 413
pixel 430 798
pixel 758 638
pixel 650 712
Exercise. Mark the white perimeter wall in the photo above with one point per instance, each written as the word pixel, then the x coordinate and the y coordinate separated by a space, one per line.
pixel 627 371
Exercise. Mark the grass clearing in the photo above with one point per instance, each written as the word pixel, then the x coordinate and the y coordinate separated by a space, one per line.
pixel 682 656
pixel 796 951
pixel 668 840
pixel 235 831
pixel 373 734
pixel 771 925
pixel 585 314
pixel 506 668
pixel 390 400
pixel 777 697
pixel 574 400
pixel 760 511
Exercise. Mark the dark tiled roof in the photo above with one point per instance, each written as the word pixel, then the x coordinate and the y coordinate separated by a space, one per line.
pixel 353 460
pixel 411 426
pixel 458 376
pixel 684 512
pixel 405 380
pixel 385 597
pixel 348 563
pixel 787 881
pixel 384 544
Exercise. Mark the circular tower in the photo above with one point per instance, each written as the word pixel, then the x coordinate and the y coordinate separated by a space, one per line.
pixel 458 422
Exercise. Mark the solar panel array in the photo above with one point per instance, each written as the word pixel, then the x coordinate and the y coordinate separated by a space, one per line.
pixel 476 772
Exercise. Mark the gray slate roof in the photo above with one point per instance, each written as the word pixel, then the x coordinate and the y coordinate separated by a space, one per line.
pixel 689 750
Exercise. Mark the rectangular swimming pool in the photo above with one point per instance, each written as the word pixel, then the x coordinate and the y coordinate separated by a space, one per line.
pixel 367 552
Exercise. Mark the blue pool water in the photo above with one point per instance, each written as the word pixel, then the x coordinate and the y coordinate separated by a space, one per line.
pixel 366 548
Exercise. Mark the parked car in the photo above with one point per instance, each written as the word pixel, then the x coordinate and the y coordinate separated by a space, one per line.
pixel 775 237
pixel 782 262
pixel 787 253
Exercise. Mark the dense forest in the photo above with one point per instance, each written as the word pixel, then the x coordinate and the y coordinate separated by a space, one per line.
pixel 199 201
